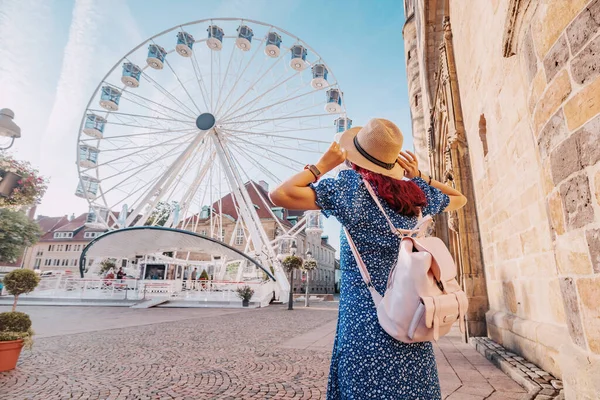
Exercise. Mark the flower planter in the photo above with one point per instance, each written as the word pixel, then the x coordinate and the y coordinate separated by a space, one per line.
pixel 8 183
pixel 9 354
pixel 245 303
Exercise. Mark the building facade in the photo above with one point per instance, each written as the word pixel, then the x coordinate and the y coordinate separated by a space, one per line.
pixel 61 244
pixel 273 219
pixel 505 101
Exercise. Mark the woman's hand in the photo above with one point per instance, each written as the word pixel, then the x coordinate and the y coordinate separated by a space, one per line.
pixel 333 157
pixel 408 161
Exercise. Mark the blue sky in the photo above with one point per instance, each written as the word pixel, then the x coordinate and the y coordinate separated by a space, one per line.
pixel 54 52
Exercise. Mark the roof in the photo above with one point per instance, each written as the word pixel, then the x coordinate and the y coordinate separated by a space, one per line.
pixel 259 196
pixel 62 224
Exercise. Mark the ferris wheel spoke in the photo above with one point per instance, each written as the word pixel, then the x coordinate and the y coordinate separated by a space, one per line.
pixel 222 86
pixel 257 163
pixel 167 93
pixel 143 116
pixel 252 85
pixel 182 85
pixel 271 132
pixel 258 50
pixel 259 97
pixel 277 145
pixel 136 171
pixel 127 93
pixel 249 133
pixel 267 149
pixel 143 149
pixel 276 119
pixel 280 102
pixel 199 79
pixel 109 138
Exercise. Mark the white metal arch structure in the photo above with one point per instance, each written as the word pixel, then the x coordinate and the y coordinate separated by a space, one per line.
pixel 195 113
pixel 128 242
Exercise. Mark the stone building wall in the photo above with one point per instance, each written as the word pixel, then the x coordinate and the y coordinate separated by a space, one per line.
pixel 538 187
pixel 528 73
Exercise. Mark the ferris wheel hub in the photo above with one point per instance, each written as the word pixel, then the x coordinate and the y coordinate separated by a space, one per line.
pixel 205 121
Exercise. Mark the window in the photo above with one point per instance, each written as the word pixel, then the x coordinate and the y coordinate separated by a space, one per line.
pixel 59 247
pixel 38 261
pixel 56 262
pixel 91 235
pixel 68 247
pixel 46 262
pixel 77 247
pixel 239 238
pixel 74 262
pixel 223 234
pixel 63 235
pixel 203 232
pixel 51 247
pixel 40 252
pixel 64 262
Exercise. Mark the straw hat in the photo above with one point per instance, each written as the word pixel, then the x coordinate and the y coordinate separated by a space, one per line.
pixel 375 146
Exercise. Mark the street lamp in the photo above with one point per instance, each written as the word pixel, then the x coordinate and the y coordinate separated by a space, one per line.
pixel 293 249
pixel 308 257
pixel 8 128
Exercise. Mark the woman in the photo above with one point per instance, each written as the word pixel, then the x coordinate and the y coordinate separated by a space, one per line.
pixel 367 363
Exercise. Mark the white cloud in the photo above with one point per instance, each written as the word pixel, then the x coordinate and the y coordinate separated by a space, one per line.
pixel 28 68
pixel 100 34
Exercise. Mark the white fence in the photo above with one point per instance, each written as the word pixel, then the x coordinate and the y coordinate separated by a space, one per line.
pixel 131 289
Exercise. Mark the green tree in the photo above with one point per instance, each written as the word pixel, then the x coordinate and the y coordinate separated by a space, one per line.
pixel 291 263
pixel 161 213
pixel 204 275
pixel 16 232
pixel 20 281
pixel 106 265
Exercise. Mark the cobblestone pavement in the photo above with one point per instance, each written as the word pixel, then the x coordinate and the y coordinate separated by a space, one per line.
pixel 269 353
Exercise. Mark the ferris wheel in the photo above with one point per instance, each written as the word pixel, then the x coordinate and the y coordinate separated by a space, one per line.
pixel 199 111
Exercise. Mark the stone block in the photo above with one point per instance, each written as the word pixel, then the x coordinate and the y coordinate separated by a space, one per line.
pixel 569 293
pixel 583 106
pixel 579 372
pixel 585 67
pixel 572 254
pixel 593 241
pixel 551 20
pixel 580 150
pixel 577 200
pixel 556 212
pixel 552 134
pixel 556 93
pixel 589 295
pixel 556 306
pixel 510 297
pixel 529 56
pixel 537 88
pixel 547 184
pixel 584 26
pixel 556 58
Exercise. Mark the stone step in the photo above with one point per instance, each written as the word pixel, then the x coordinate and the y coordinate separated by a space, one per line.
pixel 150 303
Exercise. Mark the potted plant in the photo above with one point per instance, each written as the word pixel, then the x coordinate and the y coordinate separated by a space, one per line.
pixel 308 266
pixel 15 327
pixel 20 183
pixel 291 263
pixel 203 278
pixel 245 293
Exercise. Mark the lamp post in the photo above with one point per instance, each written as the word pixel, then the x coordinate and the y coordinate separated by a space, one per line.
pixel 8 128
pixel 308 257
pixel 293 249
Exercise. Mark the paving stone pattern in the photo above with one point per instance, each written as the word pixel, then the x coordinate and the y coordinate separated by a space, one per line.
pixel 269 353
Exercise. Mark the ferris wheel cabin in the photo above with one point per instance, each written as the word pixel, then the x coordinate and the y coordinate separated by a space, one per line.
pixel 215 38
pixel 96 219
pixel 334 101
pixel 94 126
pixel 109 99
pixel 319 73
pixel 156 56
pixel 185 42
pixel 342 124
pixel 298 61
pixel 244 39
pixel 88 156
pixel 273 44
pixel 87 188
pixel 131 75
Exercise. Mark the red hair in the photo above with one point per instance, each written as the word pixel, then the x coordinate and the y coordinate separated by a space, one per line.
pixel 404 197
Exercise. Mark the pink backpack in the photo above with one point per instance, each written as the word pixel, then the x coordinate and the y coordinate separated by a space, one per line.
pixel 422 299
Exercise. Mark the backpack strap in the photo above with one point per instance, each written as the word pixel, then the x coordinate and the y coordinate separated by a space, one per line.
pixel 362 267
pixel 398 231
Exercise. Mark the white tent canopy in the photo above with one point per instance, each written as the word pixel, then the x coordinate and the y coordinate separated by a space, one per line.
pixel 141 240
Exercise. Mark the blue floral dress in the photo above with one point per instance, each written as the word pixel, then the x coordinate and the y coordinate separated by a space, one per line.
pixel 366 362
